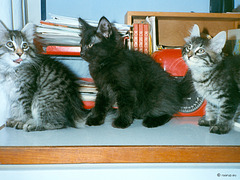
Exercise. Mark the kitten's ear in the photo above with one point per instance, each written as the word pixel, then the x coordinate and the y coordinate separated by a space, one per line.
pixel 218 42
pixel 104 27
pixel 29 30
pixel 3 28
pixel 194 32
pixel 84 24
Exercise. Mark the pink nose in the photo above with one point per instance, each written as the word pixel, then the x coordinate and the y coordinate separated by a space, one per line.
pixel 19 54
pixel 190 54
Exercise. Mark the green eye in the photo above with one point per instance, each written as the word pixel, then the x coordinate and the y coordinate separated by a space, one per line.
pixel 24 46
pixel 9 44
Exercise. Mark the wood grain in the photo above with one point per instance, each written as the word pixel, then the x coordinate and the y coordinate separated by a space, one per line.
pixel 173 27
pixel 221 16
pixel 119 154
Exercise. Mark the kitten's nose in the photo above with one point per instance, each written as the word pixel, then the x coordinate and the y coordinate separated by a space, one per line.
pixel 190 54
pixel 19 54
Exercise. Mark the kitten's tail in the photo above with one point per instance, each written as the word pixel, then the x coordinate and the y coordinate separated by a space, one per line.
pixel 236 126
pixel 186 85
pixel 77 113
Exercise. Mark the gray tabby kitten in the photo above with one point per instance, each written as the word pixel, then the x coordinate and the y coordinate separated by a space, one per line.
pixel 215 77
pixel 42 92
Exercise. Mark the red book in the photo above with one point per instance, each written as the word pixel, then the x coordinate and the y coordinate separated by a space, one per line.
pixel 62 50
pixel 146 38
pixel 140 37
pixel 135 37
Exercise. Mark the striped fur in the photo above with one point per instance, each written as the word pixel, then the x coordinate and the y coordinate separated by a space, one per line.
pixel 215 77
pixel 42 92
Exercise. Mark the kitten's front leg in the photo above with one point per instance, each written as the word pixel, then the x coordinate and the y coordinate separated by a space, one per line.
pixel 225 119
pixel 98 113
pixel 125 103
pixel 18 116
pixel 210 117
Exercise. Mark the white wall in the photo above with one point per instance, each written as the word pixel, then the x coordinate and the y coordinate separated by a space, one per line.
pixel 12 12
pixel 115 10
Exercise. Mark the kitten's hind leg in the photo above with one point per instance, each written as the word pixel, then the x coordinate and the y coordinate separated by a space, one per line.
pixel 45 118
pixel 152 122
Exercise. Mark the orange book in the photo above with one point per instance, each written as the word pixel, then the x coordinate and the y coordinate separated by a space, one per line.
pixel 135 37
pixel 52 24
pixel 62 50
pixel 146 38
pixel 140 37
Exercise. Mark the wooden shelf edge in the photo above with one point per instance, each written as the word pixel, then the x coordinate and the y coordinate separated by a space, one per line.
pixel 118 154
pixel 130 14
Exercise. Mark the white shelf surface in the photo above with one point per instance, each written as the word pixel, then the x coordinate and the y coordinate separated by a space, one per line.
pixel 122 171
pixel 179 131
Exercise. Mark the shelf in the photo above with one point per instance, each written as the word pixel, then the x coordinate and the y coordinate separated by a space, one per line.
pixel 179 141
pixel 173 27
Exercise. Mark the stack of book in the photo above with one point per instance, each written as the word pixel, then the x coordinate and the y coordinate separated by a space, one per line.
pixel 88 92
pixel 65 31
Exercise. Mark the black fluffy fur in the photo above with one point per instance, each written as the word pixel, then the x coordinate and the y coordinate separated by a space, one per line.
pixel 141 88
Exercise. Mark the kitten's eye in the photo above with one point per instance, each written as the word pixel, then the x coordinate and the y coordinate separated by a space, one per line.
pixel 90 45
pixel 10 44
pixel 25 46
pixel 189 47
pixel 200 51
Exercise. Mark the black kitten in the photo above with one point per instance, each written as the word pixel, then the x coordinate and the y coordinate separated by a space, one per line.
pixel 141 88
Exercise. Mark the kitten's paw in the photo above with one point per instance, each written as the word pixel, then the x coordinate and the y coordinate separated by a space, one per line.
pixel 121 123
pixel 221 128
pixel 151 122
pixel 14 123
pixel 31 125
pixel 94 121
pixel 203 122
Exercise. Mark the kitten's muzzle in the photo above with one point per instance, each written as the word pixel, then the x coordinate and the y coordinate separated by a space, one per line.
pixel 18 61
pixel 82 53
pixel 189 54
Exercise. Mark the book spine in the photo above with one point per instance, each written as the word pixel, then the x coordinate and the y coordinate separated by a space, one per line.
pixel 140 37
pixel 62 50
pixel 135 37
pixel 146 38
